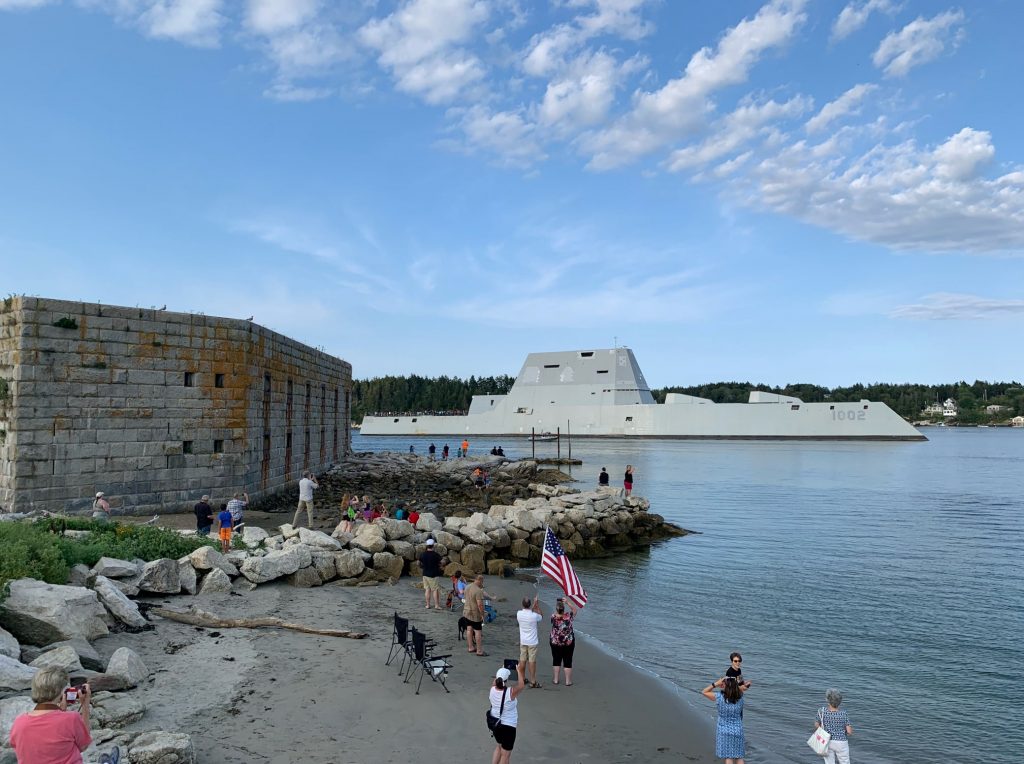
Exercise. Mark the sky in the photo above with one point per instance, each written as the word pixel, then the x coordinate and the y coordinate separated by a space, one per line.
pixel 775 190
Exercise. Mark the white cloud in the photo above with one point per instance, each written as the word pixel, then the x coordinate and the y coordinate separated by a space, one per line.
pixel 919 42
pixel 421 45
pixel 736 130
pixel 948 306
pixel 664 116
pixel 269 17
pixel 288 92
pixel 903 196
pixel 509 134
pixel 583 94
pixel 24 5
pixel 855 15
pixel 846 104
pixel 195 22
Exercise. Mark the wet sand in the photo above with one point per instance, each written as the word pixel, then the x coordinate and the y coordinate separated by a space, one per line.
pixel 283 697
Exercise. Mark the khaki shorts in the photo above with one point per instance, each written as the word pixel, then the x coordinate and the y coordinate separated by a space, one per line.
pixel 528 653
pixel 431 584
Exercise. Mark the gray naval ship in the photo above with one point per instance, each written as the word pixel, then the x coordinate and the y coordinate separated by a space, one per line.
pixel 603 393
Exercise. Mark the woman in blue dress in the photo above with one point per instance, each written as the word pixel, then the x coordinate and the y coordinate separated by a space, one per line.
pixel 729 743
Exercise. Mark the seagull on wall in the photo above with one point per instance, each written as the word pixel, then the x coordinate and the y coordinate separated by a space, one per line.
pixel 249 318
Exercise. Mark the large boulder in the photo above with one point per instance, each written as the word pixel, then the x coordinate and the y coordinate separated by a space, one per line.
pixel 448 540
pixel 318 539
pixel 208 558
pixel 369 537
pixel 388 564
pixel 253 536
pixel 160 577
pixel 187 575
pixel 15 675
pixel 11 709
pixel 289 531
pixel 524 519
pixel 396 529
pixel 80 575
pixel 499 537
pixel 304 578
pixel 349 563
pixel 482 521
pixel 162 748
pixel 215 581
pixel 259 570
pixel 114 568
pixel 9 645
pixel 87 654
pixel 475 536
pixel 428 522
pixel 38 614
pixel 404 549
pixel 64 657
pixel 122 608
pixel 323 563
pixel 126 663
pixel 113 711
pixel 473 557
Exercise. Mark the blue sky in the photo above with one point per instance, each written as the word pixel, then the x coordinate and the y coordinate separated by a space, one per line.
pixel 779 191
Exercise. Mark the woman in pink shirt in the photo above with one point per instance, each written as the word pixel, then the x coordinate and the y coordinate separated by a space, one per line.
pixel 50 734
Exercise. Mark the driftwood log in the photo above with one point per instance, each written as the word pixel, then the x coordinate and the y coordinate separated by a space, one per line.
pixel 196 617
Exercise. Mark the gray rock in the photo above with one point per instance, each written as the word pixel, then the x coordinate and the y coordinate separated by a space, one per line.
pixel 160 577
pixel 129 587
pixel 499 537
pixel 396 529
pixel 15 675
pixel 126 663
pixel 449 540
pixel 38 614
pixel 254 536
pixel 288 531
pixel 304 578
pixel 405 550
pixel 349 563
pixel 215 581
pixel 110 710
pixel 114 568
pixel 11 709
pixel 80 575
pixel 9 645
pixel 274 565
pixel 369 538
pixel 64 657
pixel 388 564
pixel 473 557
pixel 162 748
pixel 208 558
pixel 122 608
pixel 318 539
pixel 87 655
pixel 428 522
pixel 482 522
pixel 8 756
pixel 323 563
pixel 476 536
pixel 187 575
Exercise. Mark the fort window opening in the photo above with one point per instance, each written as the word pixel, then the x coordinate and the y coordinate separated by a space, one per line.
pixel 186 446
pixel 218 380
pixel 189 379
pixel 218 446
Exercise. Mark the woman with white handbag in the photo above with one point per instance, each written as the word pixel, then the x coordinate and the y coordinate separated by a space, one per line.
pixel 837 724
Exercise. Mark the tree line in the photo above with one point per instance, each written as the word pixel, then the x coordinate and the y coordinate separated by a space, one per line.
pixel 451 395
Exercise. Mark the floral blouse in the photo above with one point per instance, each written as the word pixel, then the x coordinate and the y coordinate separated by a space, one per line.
pixel 561 629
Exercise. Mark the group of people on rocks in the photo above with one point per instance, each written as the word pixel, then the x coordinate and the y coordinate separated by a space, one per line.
pixel 355 509
pixel 627 480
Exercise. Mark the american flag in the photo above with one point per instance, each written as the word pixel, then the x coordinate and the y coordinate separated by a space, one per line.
pixel 556 565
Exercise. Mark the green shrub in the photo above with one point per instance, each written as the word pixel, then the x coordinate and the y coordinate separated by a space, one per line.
pixel 66 322
pixel 39 550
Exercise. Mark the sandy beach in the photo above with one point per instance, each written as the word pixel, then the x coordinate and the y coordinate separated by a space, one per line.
pixel 282 697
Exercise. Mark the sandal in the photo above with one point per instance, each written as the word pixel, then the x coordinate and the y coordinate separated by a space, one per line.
pixel 482 655
pixel 536 685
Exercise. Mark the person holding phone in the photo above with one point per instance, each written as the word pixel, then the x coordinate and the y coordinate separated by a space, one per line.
pixel 504 700
pixel 735 670
pixel 50 733
pixel 563 639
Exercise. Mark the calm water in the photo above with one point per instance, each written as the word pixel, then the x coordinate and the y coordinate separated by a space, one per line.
pixel 890 571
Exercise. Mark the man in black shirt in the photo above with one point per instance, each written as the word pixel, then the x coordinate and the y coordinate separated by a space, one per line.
pixel 204 516
pixel 430 562
pixel 602 479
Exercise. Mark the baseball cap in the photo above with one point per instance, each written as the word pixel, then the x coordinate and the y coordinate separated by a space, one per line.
pixel 430 542
pixel 98 494
pixel 503 674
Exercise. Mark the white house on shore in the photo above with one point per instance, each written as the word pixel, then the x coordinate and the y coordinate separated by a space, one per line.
pixel 995 408
pixel 1017 421
pixel 948 409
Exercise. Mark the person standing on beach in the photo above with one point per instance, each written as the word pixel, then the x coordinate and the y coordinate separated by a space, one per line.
pixel 432 451
pixel 444 453
pixel 465 446
pixel 529 617
pixel 226 525
pixel 602 479
pixel 100 508
pixel 504 700
pixel 204 516
pixel 306 487
pixel 627 481
pixel 729 742
pixel 473 612
pixel 430 562
pixel 837 724
pixel 563 639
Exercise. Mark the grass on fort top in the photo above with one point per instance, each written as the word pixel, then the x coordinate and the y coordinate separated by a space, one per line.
pixel 40 550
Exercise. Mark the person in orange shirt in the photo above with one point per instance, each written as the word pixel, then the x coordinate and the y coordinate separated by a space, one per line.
pixel 465 448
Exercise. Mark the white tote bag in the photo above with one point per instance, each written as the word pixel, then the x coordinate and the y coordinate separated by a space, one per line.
pixel 820 739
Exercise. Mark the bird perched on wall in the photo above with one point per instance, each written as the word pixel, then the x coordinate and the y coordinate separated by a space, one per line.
pixel 249 318
pixel 164 307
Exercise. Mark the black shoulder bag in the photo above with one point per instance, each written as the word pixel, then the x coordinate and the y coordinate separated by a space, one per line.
pixel 492 722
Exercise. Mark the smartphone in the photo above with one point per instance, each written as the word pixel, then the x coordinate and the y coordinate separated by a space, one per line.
pixel 71 695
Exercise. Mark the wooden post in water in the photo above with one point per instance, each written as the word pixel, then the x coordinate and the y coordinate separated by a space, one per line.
pixel 568 437
pixel 558 443
pixel 533 443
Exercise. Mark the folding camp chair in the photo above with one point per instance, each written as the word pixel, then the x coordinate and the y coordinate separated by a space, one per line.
pixel 435 666
pixel 400 641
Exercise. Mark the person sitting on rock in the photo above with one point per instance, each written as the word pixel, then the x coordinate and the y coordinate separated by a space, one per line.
pixel 414 516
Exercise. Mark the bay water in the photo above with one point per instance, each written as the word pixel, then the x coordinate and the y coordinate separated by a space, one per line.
pixel 890 571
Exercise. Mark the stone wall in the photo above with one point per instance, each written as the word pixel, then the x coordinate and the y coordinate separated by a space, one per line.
pixel 157 408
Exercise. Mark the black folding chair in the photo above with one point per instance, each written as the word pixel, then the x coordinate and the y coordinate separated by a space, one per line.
pixel 400 641
pixel 435 666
